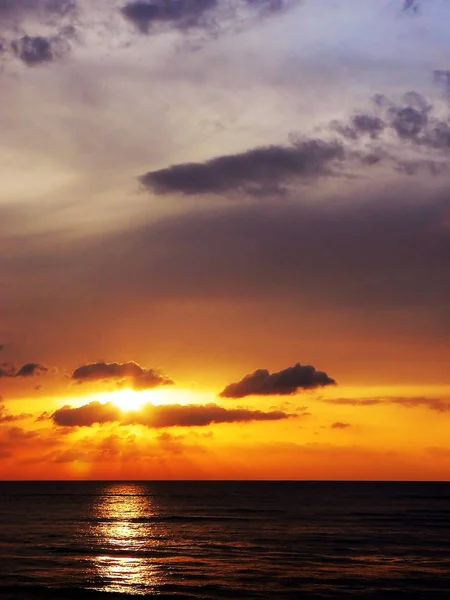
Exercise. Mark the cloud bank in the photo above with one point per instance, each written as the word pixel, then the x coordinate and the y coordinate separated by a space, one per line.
pixel 173 415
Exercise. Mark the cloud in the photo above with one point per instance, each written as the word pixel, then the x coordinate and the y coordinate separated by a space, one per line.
pixel 436 404
pixel 181 12
pixel 87 415
pixel 16 442
pixel 150 379
pixel 339 425
pixel 256 171
pixel 48 7
pixel 13 438
pixel 38 50
pixel 142 14
pixel 410 124
pixel 6 417
pixel 33 50
pixel 413 122
pixel 171 415
pixel 7 370
pixel 31 369
pixel 360 125
pixel 27 370
pixel 23 16
pixel 101 370
pixel 411 6
pixel 57 24
pixel 130 373
pixel 288 381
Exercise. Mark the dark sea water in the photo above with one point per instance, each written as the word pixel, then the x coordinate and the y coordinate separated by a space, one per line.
pixel 212 540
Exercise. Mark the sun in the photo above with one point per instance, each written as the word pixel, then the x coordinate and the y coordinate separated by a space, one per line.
pixel 130 399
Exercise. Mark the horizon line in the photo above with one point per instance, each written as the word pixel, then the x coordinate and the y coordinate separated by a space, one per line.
pixel 224 481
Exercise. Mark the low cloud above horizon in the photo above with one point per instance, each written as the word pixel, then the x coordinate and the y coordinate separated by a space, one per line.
pixel 286 382
pixel 161 416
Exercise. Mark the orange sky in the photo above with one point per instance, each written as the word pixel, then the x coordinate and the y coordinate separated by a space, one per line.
pixel 208 202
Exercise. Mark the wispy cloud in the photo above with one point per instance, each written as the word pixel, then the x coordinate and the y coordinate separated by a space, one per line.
pixel 441 405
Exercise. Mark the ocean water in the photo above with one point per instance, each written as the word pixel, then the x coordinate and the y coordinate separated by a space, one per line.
pixel 213 540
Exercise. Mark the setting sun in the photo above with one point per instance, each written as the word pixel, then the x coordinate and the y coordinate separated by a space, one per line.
pixel 129 399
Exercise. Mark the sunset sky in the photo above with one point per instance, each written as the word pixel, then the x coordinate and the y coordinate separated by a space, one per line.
pixel 224 239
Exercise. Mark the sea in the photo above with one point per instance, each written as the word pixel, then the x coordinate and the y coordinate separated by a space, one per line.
pixel 188 540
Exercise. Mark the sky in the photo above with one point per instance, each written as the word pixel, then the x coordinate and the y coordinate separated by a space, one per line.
pixel 224 239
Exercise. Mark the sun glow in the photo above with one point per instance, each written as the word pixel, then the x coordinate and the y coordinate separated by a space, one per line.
pixel 129 399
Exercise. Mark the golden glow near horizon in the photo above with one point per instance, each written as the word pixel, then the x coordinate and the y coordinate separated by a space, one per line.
pixel 128 399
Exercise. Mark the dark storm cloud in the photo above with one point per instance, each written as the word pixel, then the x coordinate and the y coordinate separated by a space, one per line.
pixel 286 382
pixel 173 415
pixel 255 171
pixel 129 373
pixel 436 404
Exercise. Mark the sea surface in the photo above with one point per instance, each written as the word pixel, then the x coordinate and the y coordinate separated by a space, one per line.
pixel 213 540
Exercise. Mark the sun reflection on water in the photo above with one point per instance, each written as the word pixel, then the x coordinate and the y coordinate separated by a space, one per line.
pixel 123 528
